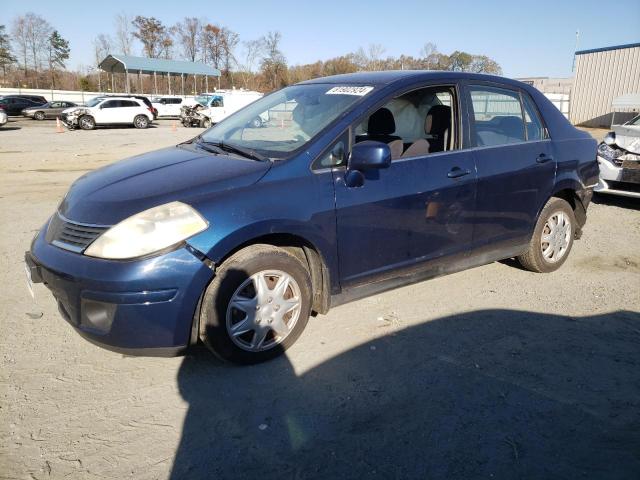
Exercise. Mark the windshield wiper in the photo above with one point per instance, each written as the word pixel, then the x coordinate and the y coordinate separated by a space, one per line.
pixel 228 147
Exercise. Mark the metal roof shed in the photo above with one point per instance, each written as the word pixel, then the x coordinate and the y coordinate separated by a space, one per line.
pixel 118 63
pixel 628 100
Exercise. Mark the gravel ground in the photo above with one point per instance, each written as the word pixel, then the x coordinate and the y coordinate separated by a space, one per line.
pixel 495 372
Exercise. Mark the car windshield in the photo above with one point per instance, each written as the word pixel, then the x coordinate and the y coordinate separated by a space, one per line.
pixel 634 121
pixel 94 101
pixel 284 121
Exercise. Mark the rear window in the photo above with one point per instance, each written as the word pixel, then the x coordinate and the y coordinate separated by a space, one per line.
pixel 497 116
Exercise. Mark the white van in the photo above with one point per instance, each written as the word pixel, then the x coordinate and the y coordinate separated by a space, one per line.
pixel 222 103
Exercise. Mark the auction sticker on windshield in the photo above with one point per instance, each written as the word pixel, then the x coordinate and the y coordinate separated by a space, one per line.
pixel 358 91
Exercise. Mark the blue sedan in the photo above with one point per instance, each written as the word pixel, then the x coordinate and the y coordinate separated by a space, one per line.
pixel 357 183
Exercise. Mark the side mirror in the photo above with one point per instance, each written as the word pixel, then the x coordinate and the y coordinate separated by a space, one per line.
pixel 369 155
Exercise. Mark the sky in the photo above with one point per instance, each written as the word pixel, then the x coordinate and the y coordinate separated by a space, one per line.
pixel 526 38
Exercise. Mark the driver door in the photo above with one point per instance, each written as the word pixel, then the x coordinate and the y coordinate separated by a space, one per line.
pixel 417 211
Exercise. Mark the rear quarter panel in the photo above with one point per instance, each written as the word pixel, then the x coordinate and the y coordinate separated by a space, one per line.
pixel 573 150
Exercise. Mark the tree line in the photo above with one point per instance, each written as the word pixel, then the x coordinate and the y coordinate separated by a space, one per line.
pixel 34 54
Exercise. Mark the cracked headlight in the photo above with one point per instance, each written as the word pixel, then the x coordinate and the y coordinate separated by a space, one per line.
pixel 148 232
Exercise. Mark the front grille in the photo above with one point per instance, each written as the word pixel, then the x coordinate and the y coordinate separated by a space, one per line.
pixel 72 236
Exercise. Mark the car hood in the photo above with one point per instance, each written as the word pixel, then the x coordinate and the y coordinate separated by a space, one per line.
pixel 73 109
pixel 110 194
pixel 628 137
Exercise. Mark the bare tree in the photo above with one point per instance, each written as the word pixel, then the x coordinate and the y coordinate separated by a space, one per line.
pixel 19 32
pixel 124 33
pixel 274 63
pixel 431 56
pixel 102 46
pixel 252 52
pixel 188 33
pixel 155 37
pixel 375 52
pixel 36 33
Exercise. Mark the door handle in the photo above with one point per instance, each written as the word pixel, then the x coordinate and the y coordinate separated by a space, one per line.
pixel 457 172
pixel 543 158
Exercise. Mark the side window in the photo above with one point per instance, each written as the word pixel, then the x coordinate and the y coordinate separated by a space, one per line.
pixel 217 102
pixel 497 115
pixel 129 103
pixel 417 123
pixel 111 104
pixel 535 129
pixel 334 156
pixel 56 105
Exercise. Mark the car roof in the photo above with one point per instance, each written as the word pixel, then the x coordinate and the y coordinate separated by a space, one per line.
pixel 388 77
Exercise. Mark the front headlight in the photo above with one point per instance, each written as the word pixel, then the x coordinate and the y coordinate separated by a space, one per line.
pixel 148 232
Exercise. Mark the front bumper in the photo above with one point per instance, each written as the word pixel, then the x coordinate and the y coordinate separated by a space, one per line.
pixel 613 182
pixel 141 307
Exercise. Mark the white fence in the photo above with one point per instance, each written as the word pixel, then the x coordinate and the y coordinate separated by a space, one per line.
pixel 68 95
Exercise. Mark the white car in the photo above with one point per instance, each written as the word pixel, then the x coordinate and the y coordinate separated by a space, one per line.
pixel 168 106
pixel 3 117
pixel 619 160
pixel 108 111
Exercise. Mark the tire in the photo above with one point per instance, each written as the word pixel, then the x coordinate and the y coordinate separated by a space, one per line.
pixel 87 122
pixel 141 121
pixel 205 123
pixel 39 116
pixel 545 257
pixel 256 122
pixel 237 278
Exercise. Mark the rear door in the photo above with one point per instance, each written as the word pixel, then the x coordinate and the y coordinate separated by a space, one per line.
pixel 416 211
pixel 516 171
pixel 128 110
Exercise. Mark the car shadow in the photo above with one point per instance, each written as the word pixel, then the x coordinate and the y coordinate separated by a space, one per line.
pixel 5 129
pixel 617 201
pixel 485 394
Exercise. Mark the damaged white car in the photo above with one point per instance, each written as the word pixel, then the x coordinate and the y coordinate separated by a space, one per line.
pixel 108 111
pixel 619 160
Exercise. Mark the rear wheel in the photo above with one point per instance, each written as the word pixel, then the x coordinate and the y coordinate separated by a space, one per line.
pixel 257 305
pixel 141 121
pixel 87 122
pixel 552 238
pixel 39 115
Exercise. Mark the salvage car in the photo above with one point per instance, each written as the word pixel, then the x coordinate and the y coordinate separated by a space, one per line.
pixel 108 111
pixel 48 110
pixel 619 160
pixel 374 180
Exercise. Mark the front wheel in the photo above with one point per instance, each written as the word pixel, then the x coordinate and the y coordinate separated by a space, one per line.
pixel 141 121
pixel 38 115
pixel 552 238
pixel 256 306
pixel 205 122
pixel 87 122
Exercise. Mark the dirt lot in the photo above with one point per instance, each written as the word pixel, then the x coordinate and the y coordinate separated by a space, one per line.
pixel 491 373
